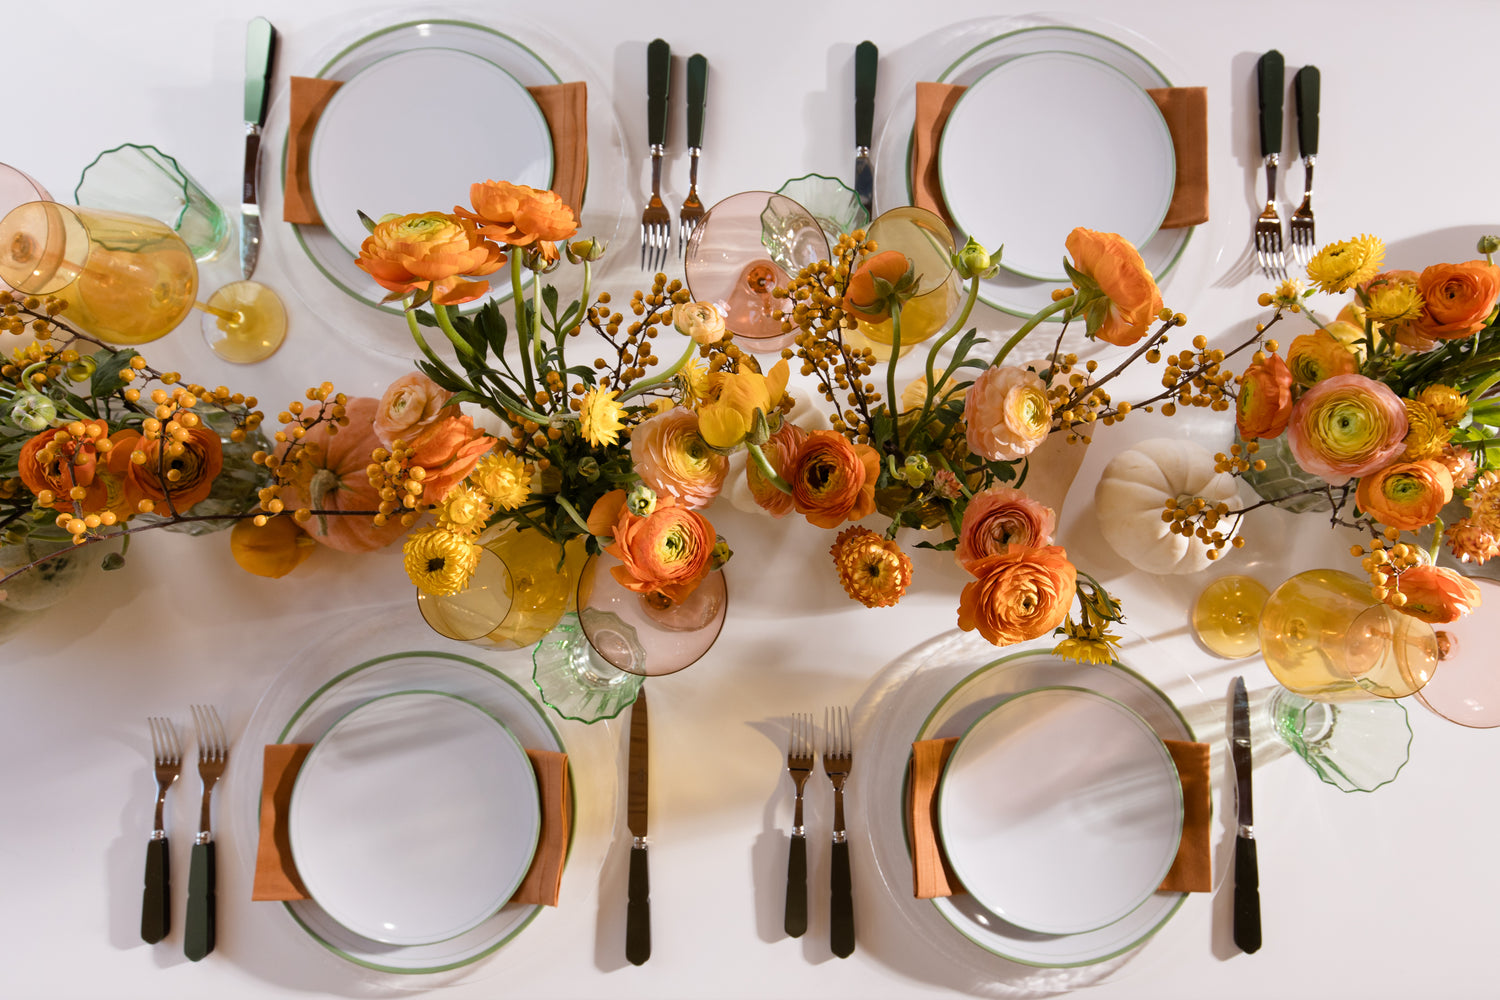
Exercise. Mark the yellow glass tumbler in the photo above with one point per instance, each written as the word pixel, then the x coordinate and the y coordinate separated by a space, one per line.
pixel 126 279
pixel 925 240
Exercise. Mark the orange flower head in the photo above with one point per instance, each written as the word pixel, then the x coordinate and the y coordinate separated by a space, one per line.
pixel 1019 594
pixel 878 279
pixel 186 474
pixel 833 479
pixel 1436 595
pixel 781 450
pixel 671 457
pixel 103 474
pixel 410 405
pixel 1263 407
pixel 432 252
pixel 999 519
pixel 873 569
pixel 1313 357
pixel 1457 299
pixel 1406 495
pixel 1007 414
pixel 1118 296
pixel 668 551
pixel 519 215
pixel 448 449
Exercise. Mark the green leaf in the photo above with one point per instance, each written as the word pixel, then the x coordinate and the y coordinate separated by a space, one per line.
pixel 425 319
pixel 366 221
pixel 106 378
pixel 442 375
pixel 549 299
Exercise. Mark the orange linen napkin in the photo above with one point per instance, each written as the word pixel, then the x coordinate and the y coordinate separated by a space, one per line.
pixel 1184 108
pixel 932 877
pixel 564 105
pixel 276 871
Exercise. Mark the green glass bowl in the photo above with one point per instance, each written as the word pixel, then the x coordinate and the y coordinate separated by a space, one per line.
pixel 575 681
pixel 830 201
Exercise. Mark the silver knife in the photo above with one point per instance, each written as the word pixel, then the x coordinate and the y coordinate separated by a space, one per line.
pixel 1246 868
pixel 637 800
pixel 260 49
pixel 866 57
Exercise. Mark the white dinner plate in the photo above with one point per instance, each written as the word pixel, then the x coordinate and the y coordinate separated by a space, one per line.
pixel 414 818
pixel 1115 174
pixel 367 155
pixel 1060 810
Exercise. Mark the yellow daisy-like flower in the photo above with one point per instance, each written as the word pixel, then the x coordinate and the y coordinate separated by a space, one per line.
pixel 1088 645
pixel 439 562
pixel 1288 295
pixel 872 568
pixel 599 417
pixel 1483 502
pixel 1426 432
pixel 1341 266
pixel 1447 402
pixel 693 378
pixel 464 511
pixel 1394 303
pixel 505 480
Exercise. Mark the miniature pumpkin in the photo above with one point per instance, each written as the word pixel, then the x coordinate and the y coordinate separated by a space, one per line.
pixel 334 477
pixel 1131 494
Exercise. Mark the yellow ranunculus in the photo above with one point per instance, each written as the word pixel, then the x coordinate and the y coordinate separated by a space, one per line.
pixel 733 397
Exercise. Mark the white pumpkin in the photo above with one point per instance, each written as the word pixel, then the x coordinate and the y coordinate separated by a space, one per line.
pixel 1133 489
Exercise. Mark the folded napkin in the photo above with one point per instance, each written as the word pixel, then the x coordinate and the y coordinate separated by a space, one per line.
pixel 1184 108
pixel 564 105
pixel 276 871
pixel 933 877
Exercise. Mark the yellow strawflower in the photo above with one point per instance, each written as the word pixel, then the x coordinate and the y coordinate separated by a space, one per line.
pixel 504 479
pixel 1341 266
pixel 438 561
pixel 1426 432
pixel 1446 401
pixel 1394 302
pixel 464 511
pixel 599 417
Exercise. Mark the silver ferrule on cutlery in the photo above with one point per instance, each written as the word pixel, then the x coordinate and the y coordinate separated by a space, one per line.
pixel 1272 161
pixel 260 49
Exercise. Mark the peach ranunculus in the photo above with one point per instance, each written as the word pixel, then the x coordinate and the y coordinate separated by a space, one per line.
pixel 1263 405
pixel 781 451
pixel 878 278
pixel 1000 518
pixel 1312 357
pixel 410 405
pixel 872 568
pixel 517 214
pixel 79 461
pixel 448 450
pixel 1347 426
pixel 1118 295
pixel 1006 413
pixel 727 413
pixel 1458 299
pixel 672 458
pixel 668 551
pixel 1018 595
pixel 1435 594
pixel 187 475
pixel 833 479
pixel 429 251
pixel 700 321
pixel 1406 495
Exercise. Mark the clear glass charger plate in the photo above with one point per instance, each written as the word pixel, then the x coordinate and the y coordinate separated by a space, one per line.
pixel 963 53
pixel 348 667
pixel 939 689
pixel 321 270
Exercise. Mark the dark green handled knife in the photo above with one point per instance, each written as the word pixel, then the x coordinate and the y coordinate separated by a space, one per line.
pixel 260 50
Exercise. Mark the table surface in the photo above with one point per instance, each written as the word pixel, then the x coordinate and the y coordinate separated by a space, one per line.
pixel 1370 895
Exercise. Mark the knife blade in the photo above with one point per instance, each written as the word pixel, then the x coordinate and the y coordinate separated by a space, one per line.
pixel 866 59
pixel 260 51
pixel 1246 868
pixel 637 802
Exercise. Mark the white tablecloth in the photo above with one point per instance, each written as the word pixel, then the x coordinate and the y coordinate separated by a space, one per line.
pixel 1385 894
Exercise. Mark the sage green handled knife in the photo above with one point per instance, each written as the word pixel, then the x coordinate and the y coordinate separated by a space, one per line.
pixel 260 50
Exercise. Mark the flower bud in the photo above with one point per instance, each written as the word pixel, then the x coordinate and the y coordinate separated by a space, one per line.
pixel 641 500
pixel 588 468
pixel 33 412
pixel 536 258
pixel 974 261
pixel 581 250
pixel 916 470
pixel 721 553
pixel 1489 244
pixel 83 369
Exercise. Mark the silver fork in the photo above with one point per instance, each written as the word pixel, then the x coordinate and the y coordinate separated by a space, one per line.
pixel 838 761
pixel 656 221
pixel 213 757
pixel 1306 85
pixel 1271 81
pixel 156 899
pixel 692 207
pixel 800 760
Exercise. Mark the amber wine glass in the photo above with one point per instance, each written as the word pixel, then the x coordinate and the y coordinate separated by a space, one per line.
pixel 1226 616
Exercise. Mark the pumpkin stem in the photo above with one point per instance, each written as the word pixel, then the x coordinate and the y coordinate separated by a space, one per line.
pixel 324 483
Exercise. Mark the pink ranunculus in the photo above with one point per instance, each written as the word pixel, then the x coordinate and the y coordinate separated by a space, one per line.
pixel 672 458
pixel 1347 426
pixel 1006 413
pixel 413 403
pixel 998 518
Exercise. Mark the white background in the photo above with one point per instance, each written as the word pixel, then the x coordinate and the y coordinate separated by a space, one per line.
pixel 1387 894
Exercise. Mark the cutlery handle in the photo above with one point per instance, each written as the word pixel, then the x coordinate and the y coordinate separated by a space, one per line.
pixel 1308 84
pixel 1246 896
pixel 841 909
pixel 866 58
pixel 156 900
pixel 658 81
pixel 260 54
pixel 199 939
pixel 697 94
pixel 796 888
pixel 638 909
pixel 1270 75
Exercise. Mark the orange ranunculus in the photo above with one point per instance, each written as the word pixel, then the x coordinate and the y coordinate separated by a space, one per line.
pixel 184 478
pixel 668 551
pixel 1018 595
pixel 1458 299
pixel 1436 595
pixel 1406 495
pixel 1312 357
pixel 1127 299
pixel 1264 404
pixel 999 519
pixel 862 298
pixel 273 549
pixel 1006 413
pixel 833 479
pixel 80 462
pixel 781 451
pixel 448 450
pixel 872 568
pixel 429 250
pixel 727 413
pixel 410 405
pixel 519 215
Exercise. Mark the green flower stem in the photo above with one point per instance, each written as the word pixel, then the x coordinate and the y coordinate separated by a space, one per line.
pixel 518 296
pixel 646 385
pixel 1483 387
pixel 506 401
pixel 445 323
pixel 538 352
pixel 951 332
pixel 1437 538
pixel 572 512
pixel 764 465
pixel 892 402
pixel 1030 325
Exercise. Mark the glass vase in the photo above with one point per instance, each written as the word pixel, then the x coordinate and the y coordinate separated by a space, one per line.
pixel 1283 481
